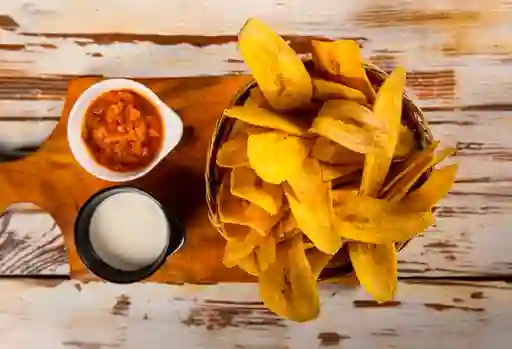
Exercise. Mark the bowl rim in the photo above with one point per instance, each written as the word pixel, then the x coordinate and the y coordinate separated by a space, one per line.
pixel 172 125
pixel 93 261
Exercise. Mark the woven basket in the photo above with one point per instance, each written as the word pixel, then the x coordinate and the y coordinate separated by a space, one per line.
pixel 412 117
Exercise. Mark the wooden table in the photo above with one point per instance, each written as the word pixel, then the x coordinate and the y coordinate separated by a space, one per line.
pixel 453 291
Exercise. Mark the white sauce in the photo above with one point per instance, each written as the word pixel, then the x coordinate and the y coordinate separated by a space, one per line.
pixel 129 231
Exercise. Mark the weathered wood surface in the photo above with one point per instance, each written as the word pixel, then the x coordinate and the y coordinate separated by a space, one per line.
pixel 31 243
pixel 458 54
pixel 68 315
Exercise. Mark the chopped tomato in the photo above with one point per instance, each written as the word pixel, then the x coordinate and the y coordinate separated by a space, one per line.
pixel 123 130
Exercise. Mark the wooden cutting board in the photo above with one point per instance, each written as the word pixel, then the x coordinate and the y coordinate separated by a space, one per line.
pixel 52 179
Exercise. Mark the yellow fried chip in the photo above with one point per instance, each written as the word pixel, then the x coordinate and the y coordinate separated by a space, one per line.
pixel 332 172
pixel 348 135
pixel 406 143
pixel 233 153
pixel 317 227
pixel 353 113
pixel 247 185
pixel 413 160
pixel 350 125
pixel 275 157
pixel 309 198
pixel 242 129
pixel 266 253
pixel 340 195
pixel 325 90
pixel 249 264
pixel 434 189
pixel 402 186
pixel 288 287
pixel 235 231
pixel 343 59
pixel 318 260
pixel 370 220
pixel 278 70
pixel 376 268
pixel 267 118
pixel 307 180
pixel 330 152
pixel 240 248
pixel 286 227
pixel 238 211
pixel 388 109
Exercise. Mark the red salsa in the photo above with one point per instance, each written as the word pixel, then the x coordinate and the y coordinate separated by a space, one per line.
pixel 123 131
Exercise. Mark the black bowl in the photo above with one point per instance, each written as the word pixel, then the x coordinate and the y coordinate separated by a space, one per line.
pixel 96 264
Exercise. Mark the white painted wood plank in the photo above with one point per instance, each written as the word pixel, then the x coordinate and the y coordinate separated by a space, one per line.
pixel 31 243
pixel 103 316
pixel 22 134
pixel 29 110
pixel 222 17
pixel 424 34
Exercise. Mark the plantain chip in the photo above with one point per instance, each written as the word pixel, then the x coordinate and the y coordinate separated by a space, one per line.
pixel 309 198
pixel 434 189
pixel 325 90
pixel 341 195
pixel 315 224
pixel 413 160
pixel 266 253
pixel 247 185
pixel 288 287
pixel 240 248
pixel 343 60
pixel 318 261
pixel 279 72
pixel 406 143
pixel 243 129
pixel 329 152
pixel 266 118
pixel 402 186
pixel 249 264
pixel 333 172
pixel 388 109
pixel 308 180
pixel 377 221
pixel 233 153
pixel 238 211
pixel 348 135
pixel 376 268
pixel 353 113
pixel 235 231
pixel 286 227
pixel 275 157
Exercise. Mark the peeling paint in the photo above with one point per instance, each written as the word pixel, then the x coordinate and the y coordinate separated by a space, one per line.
pixel 122 306
pixel 443 307
pixel 328 339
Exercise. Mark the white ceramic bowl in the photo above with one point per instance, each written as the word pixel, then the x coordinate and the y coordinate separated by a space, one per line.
pixel 171 122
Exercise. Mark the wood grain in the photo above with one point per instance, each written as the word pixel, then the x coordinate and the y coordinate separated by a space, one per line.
pixel 458 55
pixel 31 243
pixel 104 316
